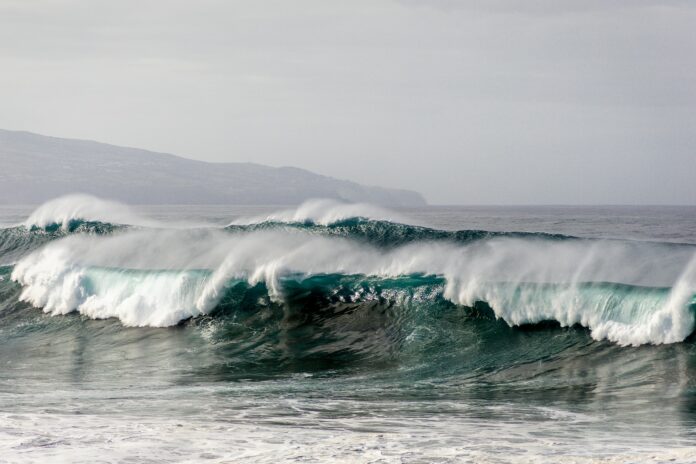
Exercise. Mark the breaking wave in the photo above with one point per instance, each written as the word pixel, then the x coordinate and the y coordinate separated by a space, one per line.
pixel 69 211
pixel 630 293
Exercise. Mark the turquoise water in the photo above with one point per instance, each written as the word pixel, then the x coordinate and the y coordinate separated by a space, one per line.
pixel 237 335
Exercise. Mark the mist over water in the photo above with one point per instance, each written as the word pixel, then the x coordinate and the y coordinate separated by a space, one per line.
pixel 347 332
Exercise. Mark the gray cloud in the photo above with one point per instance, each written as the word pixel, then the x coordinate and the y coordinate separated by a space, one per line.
pixel 469 102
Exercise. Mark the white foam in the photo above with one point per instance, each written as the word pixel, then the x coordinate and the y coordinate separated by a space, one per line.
pixel 51 436
pixel 190 270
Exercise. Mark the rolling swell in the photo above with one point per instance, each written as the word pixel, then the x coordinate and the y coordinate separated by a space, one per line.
pixel 388 234
pixel 18 240
pixel 21 239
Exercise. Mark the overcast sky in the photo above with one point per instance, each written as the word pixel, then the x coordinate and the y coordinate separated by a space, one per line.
pixel 471 102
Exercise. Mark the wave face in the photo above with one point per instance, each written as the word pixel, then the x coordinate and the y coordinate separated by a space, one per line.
pixel 631 293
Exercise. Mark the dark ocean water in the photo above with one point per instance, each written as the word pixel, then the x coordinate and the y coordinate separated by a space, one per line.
pixel 344 333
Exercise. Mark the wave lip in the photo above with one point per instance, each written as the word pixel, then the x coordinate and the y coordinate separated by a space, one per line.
pixel 624 314
pixel 136 298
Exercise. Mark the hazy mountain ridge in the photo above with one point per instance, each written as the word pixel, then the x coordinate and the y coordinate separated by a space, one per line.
pixel 35 168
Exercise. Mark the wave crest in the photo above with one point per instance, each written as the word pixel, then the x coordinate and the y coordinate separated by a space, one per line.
pixel 68 210
pixel 323 212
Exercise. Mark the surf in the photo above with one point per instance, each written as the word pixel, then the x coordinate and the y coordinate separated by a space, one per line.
pixel 630 293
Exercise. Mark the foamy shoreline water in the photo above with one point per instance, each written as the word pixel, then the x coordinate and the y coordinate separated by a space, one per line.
pixel 28 438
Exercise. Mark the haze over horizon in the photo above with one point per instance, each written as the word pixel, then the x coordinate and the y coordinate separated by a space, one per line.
pixel 466 102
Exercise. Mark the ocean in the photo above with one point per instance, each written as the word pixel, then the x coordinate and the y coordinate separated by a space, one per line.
pixel 346 333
